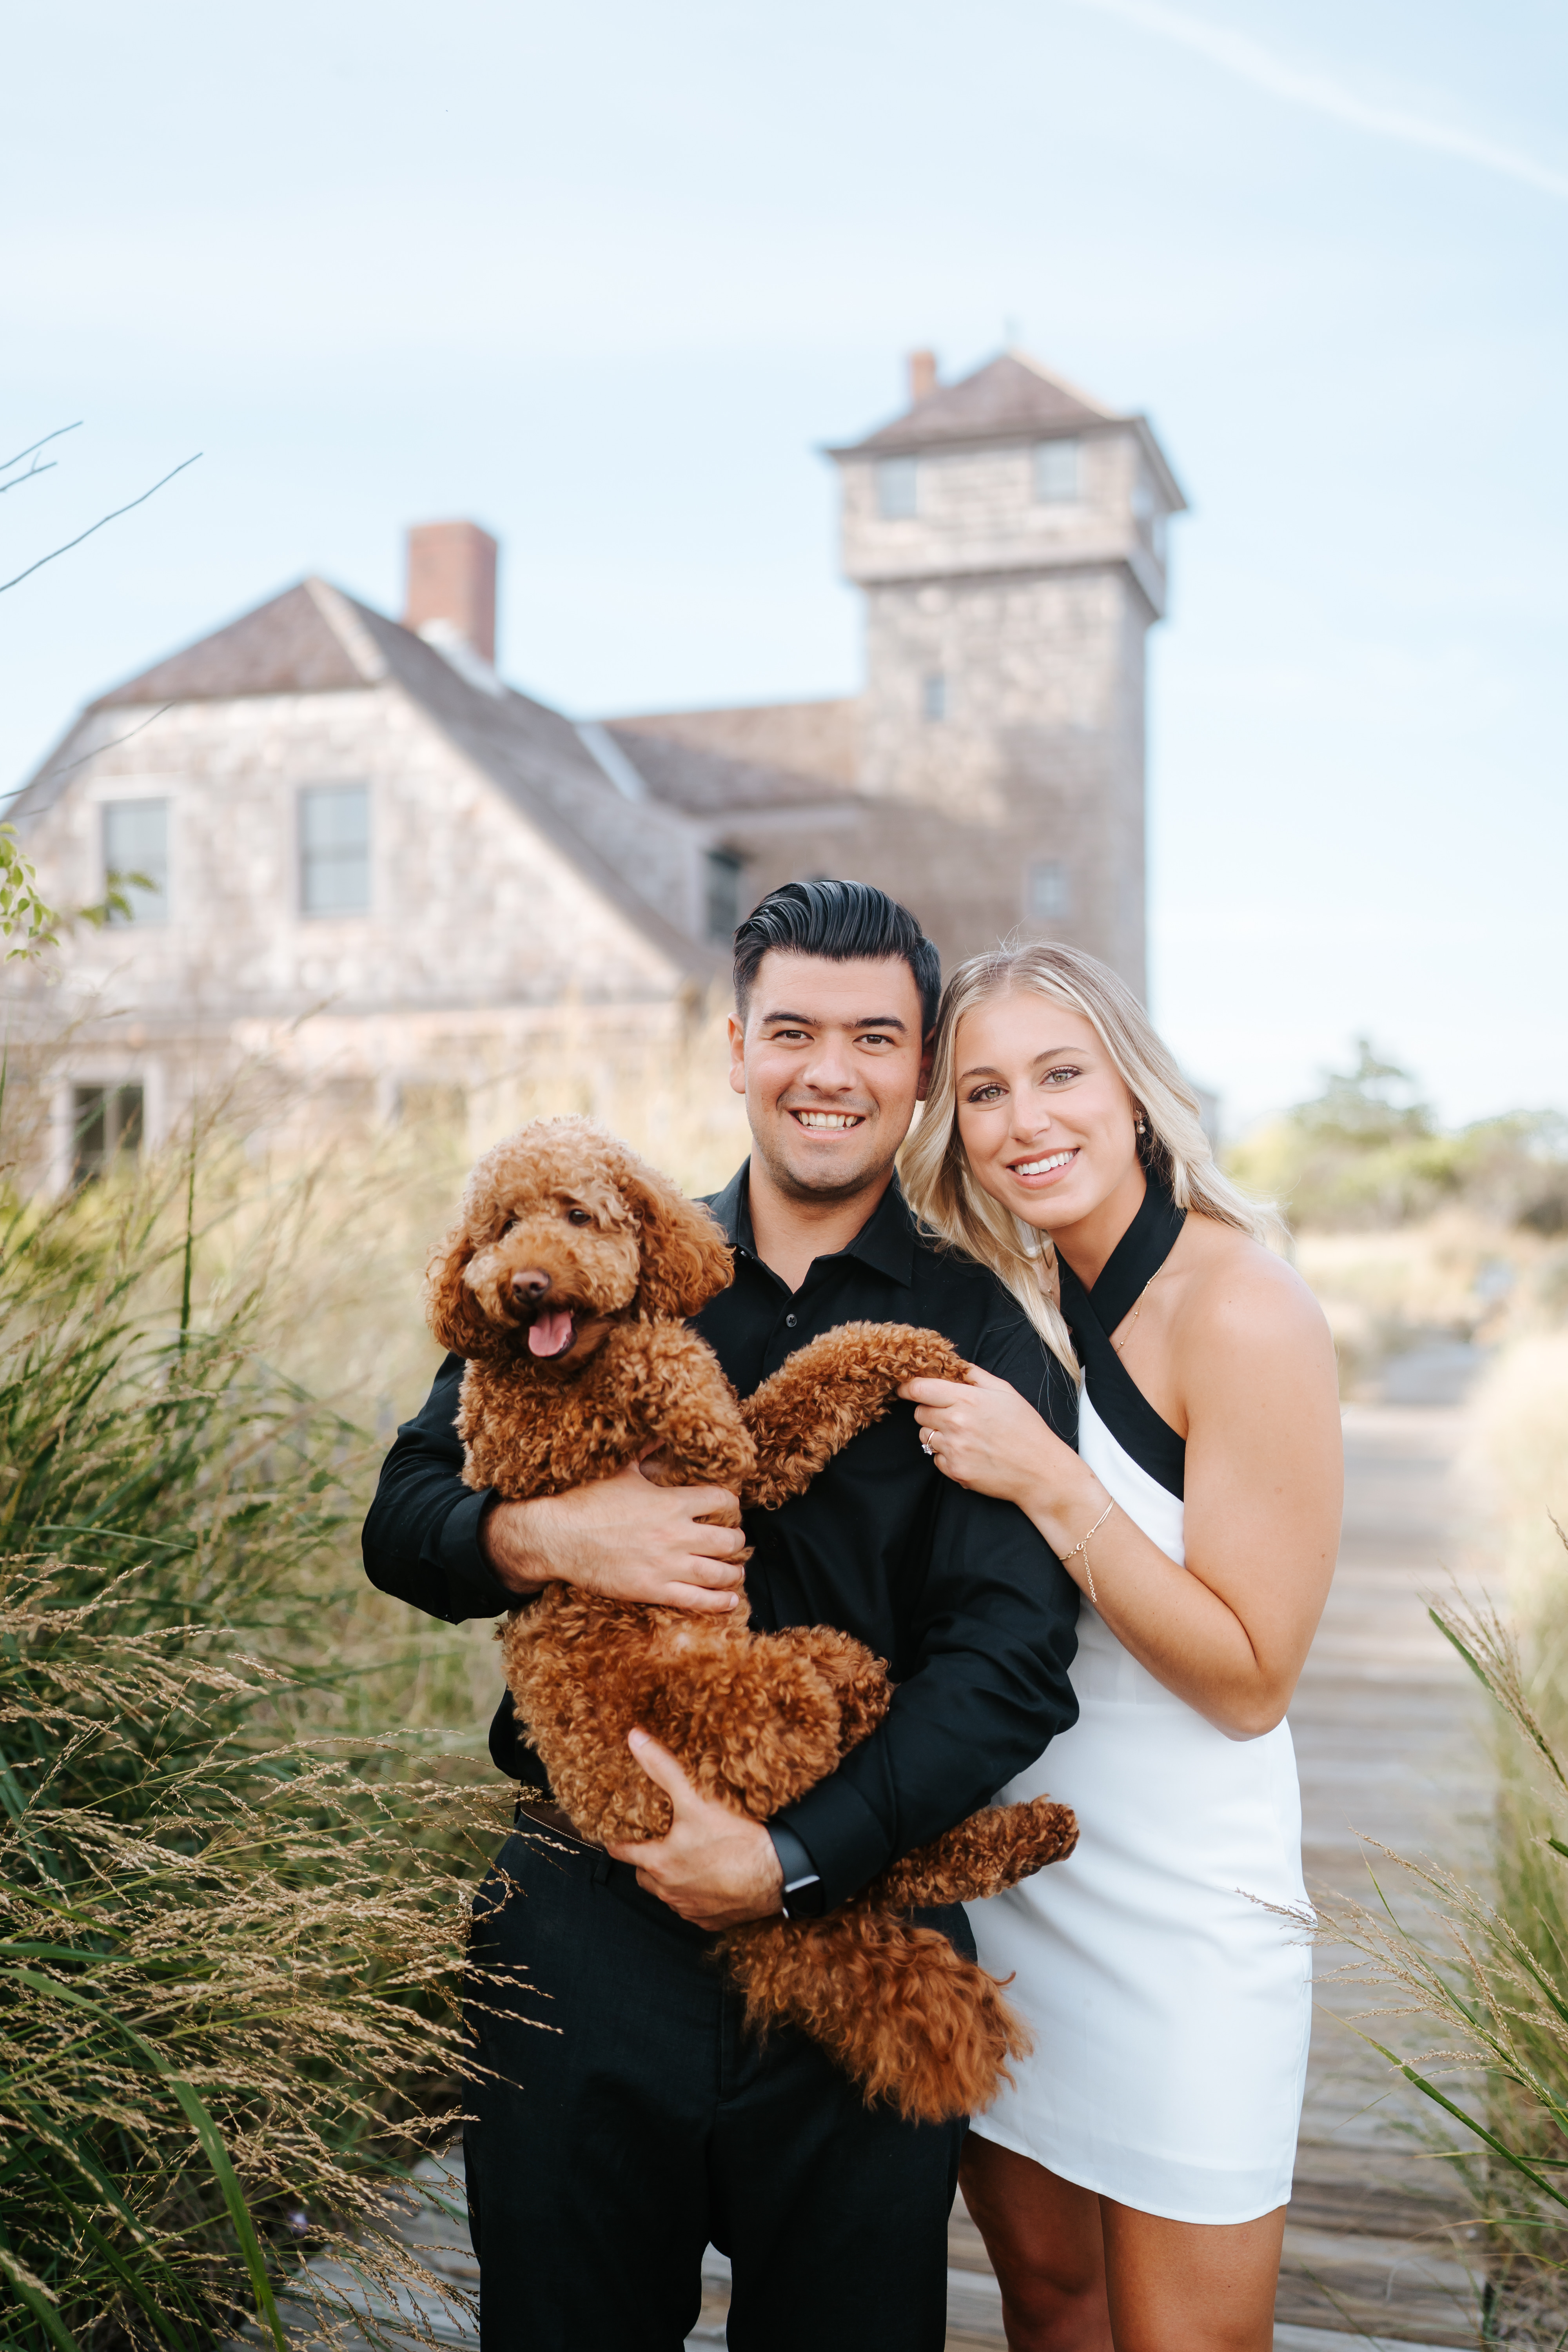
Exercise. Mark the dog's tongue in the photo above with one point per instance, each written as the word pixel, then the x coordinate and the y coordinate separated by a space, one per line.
pixel 548 1334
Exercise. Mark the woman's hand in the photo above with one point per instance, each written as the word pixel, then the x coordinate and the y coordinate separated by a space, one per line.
pixel 982 1433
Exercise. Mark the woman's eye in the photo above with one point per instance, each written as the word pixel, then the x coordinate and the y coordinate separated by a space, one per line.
pixel 1061 1074
pixel 987 1095
pixel 578 1217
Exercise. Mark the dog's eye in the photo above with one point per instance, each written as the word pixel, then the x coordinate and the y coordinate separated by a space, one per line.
pixel 578 1217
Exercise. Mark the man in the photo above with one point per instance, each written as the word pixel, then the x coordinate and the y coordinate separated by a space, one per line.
pixel 635 2120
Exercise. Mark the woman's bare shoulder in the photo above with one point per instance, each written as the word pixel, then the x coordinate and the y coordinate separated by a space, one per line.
pixel 1241 1295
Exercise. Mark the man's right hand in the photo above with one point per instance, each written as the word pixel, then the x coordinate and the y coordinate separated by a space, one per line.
pixel 622 1538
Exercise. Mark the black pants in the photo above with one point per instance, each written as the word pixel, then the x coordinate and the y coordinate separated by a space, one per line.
pixel 636 2121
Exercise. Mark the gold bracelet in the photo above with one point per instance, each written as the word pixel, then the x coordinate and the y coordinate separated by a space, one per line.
pixel 1083 1547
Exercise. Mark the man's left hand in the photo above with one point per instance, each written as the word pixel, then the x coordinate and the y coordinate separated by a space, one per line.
pixel 715 1867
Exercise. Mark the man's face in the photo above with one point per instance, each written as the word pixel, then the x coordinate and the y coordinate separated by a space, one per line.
pixel 832 1063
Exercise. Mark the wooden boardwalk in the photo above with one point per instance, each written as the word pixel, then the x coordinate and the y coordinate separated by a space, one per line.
pixel 1391 1744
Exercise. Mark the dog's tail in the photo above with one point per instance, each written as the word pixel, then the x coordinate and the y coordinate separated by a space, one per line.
pixel 904 2014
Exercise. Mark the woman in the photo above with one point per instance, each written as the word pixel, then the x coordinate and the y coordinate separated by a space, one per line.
pixel 1131 2186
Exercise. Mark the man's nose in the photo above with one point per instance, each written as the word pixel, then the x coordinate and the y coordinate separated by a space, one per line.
pixel 529 1284
pixel 830 1068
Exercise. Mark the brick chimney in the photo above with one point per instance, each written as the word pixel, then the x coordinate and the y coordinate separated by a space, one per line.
pixel 922 375
pixel 452 582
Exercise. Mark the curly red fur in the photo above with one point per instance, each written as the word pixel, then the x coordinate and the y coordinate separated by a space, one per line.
pixel 755 1719
pixel 902 2011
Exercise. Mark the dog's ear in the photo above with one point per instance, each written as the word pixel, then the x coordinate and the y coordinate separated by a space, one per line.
pixel 451 1309
pixel 686 1260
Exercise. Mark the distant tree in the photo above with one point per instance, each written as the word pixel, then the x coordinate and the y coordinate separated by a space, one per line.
pixel 1372 1104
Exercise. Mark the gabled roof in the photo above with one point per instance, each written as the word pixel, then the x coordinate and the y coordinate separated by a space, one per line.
pixel 1011 395
pixel 712 786
pixel 315 639
pixel 296 644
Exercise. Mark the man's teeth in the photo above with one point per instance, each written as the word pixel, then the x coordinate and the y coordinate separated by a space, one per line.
pixel 828 1117
pixel 1039 1167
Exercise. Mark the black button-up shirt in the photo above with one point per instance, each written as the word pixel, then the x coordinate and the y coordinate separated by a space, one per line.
pixel 959 1592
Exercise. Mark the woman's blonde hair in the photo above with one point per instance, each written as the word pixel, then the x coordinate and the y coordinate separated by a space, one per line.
pixel 934 1167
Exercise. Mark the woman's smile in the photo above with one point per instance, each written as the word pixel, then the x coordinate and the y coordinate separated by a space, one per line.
pixel 1043 1169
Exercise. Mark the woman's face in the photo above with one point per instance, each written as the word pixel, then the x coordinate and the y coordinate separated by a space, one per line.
pixel 1047 1125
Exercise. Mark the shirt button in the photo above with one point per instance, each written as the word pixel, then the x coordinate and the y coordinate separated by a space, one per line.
pixel 790 1321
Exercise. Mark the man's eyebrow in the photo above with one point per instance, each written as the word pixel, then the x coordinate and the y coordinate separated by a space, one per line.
pixel 816 1021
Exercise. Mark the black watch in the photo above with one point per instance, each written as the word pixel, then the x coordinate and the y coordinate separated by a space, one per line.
pixel 802 1886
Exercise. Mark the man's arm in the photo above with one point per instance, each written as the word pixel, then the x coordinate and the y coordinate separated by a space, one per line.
pixel 996 1634
pixel 421 1538
pixel 455 1553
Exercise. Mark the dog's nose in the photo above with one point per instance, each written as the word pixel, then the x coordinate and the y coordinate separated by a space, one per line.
pixel 530 1285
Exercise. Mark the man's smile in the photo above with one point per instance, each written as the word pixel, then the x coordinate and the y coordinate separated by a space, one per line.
pixel 820 1122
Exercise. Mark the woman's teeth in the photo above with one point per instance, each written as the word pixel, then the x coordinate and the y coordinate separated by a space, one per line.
pixel 1041 1167
pixel 828 1117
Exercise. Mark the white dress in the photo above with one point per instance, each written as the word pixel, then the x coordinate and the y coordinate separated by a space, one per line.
pixel 1170 2001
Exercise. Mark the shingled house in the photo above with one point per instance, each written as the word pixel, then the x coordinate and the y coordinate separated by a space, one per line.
pixel 358 848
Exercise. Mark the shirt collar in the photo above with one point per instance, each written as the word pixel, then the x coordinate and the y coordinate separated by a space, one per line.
pixel 886 1242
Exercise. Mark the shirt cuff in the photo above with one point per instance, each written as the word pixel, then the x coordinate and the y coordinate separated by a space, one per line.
pixel 473 1588
pixel 842 1836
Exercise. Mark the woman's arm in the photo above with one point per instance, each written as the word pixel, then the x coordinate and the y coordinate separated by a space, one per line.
pixel 1250 1364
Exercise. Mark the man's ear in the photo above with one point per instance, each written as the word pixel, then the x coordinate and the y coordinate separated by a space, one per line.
pixel 928 1056
pixel 686 1260
pixel 737 1055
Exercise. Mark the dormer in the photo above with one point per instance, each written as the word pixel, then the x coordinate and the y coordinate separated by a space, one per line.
pixel 1012 470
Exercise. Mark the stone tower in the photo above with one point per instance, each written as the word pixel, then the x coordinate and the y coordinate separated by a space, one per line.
pixel 1009 535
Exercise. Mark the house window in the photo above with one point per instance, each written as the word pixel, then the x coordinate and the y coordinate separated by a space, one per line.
pixel 1049 892
pixel 334 849
pixel 1057 472
pixel 723 900
pixel 106 1130
pixel 136 859
pixel 933 694
pixel 898 488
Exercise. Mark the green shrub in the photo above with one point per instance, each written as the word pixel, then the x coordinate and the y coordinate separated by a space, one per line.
pixel 232 1886
pixel 226 1981
pixel 1491 1968
pixel 1366 1153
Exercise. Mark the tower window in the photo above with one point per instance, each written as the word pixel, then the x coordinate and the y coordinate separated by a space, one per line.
pixel 933 694
pixel 723 900
pixel 106 1130
pixel 1049 896
pixel 334 849
pixel 1057 469
pixel 136 859
pixel 898 488
pixel 1150 518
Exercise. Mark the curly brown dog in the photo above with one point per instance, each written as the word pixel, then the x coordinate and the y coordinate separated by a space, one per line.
pixel 564 1283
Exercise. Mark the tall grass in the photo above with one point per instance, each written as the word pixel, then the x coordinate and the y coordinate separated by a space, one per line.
pixel 232 1890
pixel 227 1983
pixel 1491 1968
pixel 242 1796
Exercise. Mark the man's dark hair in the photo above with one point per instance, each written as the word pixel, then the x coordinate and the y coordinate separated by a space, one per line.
pixel 843 921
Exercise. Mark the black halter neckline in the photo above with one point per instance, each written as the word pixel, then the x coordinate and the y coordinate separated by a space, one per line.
pixel 1093 1315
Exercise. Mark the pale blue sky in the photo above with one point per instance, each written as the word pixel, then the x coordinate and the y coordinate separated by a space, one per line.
pixel 604 278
